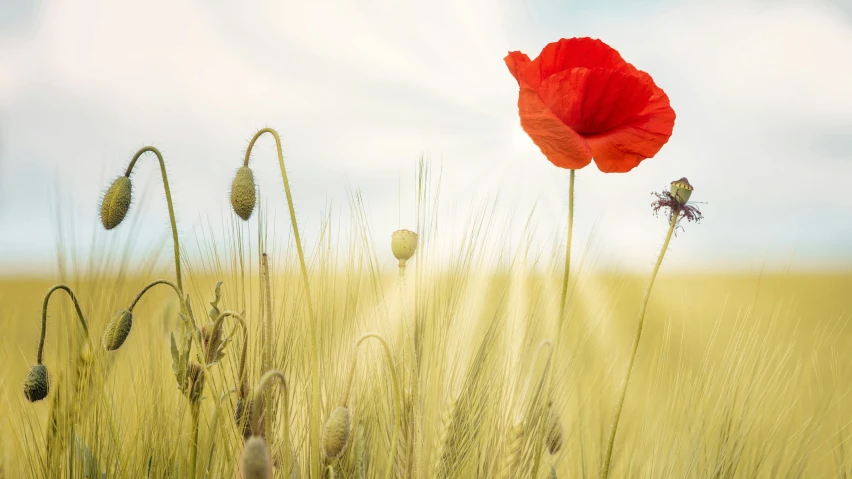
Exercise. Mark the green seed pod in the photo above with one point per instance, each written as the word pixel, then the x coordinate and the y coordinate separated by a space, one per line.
pixel 116 202
pixel 117 330
pixel 335 434
pixel 194 381
pixel 37 383
pixel 256 463
pixel 243 193
pixel 555 435
pixel 681 190
pixel 403 244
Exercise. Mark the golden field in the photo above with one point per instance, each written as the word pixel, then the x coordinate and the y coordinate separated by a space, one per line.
pixel 737 375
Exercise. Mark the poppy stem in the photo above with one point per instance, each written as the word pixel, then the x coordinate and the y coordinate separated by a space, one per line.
pixel 614 427
pixel 80 316
pixel 168 190
pixel 315 369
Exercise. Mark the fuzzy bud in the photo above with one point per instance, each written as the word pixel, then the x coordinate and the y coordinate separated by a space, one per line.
pixel 256 462
pixel 37 383
pixel 335 433
pixel 403 244
pixel 243 193
pixel 555 435
pixel 116 202
pixel 117 330
pixel 681 190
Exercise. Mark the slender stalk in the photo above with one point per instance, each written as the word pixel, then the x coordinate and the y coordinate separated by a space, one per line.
pixel 396 390
pixel 267 344
pixel 80 316
pixel 315 373
pixel 614 427
pixel 563 298
pixel 195 409
pixel 175 242
pixel 150 285
pixel 259 391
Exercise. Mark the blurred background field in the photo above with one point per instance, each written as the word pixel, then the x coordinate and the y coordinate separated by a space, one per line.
pixel 738 375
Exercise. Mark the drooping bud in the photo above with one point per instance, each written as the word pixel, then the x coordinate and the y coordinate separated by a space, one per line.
pixel 403 244
pixel 37 383
pixel 243 193
pixel 116 202
pixel 256 462
pixel 117 330
pixel 681 190
pixel 335 433
pixel 555 435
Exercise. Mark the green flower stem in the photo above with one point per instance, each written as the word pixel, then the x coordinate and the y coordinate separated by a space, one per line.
pixel 614 427
pixel 397 393
pixel 561 318
pixel 80 315
pixel 315 373
pixel 175 242
pixel 195 409
pixel 258 396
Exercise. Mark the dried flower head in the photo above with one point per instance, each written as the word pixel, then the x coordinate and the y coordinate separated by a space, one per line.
pixel 243 193
pixel 674 203
pixel 404 245
pixel 241 416
pixel 116 202
pixel 117 330
pixel 37 383
pixel 194 384
pixel 256 462
pixel 335 434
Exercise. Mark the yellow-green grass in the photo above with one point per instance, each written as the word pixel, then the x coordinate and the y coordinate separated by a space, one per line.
pixel 737 375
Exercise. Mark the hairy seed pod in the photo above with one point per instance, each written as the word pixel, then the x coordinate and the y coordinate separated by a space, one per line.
pixel 37 383
pixel 117 330
pixel 256 463
pixel 243 193
pixel 335 434
pixel 116 202
pixel 194 381
pixel 555 435
pixel 403 244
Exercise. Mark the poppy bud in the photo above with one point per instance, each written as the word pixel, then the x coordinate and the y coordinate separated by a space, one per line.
pixel 37 383
pixel 116 202
pixel 403 244
pixel 242 193
pixel 681 190
pixel 256 463
pixel 117 330
pixel 554 431
pixel 335 434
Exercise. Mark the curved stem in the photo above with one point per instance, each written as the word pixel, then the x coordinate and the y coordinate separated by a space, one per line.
pixel 150 285
pixel 217 325
pixel 258 396
pixel 175 242
pixel 315 374
pixel 613 429
pixel 397 393
pixel 80 315
pixel 563 298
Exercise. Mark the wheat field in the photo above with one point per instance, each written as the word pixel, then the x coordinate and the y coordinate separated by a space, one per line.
pixel 738 375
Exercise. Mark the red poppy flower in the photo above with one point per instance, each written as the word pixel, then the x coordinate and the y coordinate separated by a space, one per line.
pixel 580 100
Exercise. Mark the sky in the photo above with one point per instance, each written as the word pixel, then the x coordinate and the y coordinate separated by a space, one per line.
pixel 359 90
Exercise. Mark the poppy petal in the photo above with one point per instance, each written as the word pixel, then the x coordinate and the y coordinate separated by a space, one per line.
pixel 622 149
pixel 594 101
pixel 516 61
pixel 570 53
pixel 559 143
